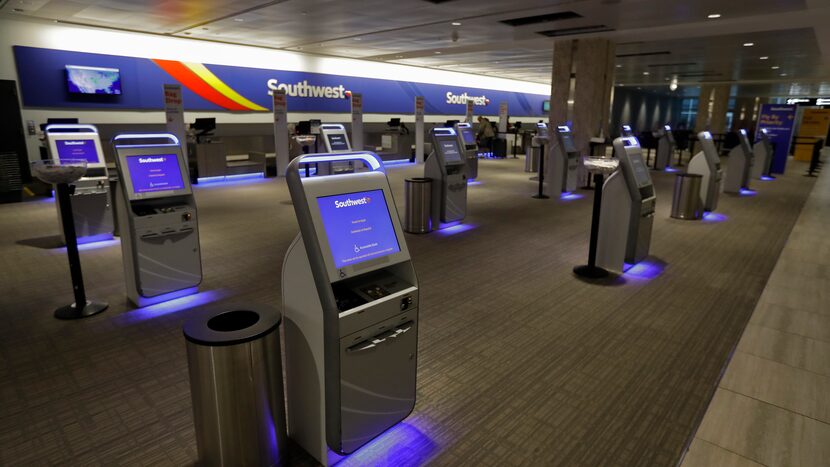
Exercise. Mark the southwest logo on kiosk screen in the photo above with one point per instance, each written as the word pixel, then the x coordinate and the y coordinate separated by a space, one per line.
pixel 352 202
pixel 155 173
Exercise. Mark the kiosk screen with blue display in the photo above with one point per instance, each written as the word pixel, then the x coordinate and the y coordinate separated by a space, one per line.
pixel 358 226
pixel 152 173
pixel 468 136
pixel 450 150
pixel 77 149
pixel 338 142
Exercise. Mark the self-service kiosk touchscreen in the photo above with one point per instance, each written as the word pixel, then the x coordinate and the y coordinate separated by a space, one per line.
pixel 446 166
pixel 91 201
pixel 739 165
pixel 467 140
pixel 706 163
pixel 335 139
pixel 627 131
pixel 159 222
pixel 350 302
pixel 565 160
pixel 628 206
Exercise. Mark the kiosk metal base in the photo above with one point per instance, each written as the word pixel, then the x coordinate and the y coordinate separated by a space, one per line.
pixel 591 272
pixel 91 308
pixel 540 196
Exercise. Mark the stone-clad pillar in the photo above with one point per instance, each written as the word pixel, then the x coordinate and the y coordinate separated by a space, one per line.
pixel 590 63
pixel 594 84
pixel 712 106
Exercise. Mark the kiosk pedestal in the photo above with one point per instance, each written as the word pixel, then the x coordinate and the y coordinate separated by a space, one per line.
pixel 62 173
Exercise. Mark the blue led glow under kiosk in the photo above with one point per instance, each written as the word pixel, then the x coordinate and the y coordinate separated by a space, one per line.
pixel 91 201
pixel 158 220
pixel 350 305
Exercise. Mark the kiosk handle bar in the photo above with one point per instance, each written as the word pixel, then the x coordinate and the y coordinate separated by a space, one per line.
pixel 70 126
pixel 171 139
pixel 371 159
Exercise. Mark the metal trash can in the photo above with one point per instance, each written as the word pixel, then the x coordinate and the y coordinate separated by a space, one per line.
pixel 418 194
pixel 236 385
pixel 686 203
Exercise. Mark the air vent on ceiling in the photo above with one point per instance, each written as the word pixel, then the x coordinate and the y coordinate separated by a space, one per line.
pixel 575 31
pixel 542 18
pixel 666 65
pixel 644 54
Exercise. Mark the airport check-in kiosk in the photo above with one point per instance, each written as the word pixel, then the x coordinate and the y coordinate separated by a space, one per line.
pixel 467 140
pixel 665 148
pixel 91 201
pixel 706 163
pixel 627 131
pixel 739 165
pixel 628 205
pixel 335 139
pixel 536 146
pixel 565 160
pixel 157 218
pixel 447 169
pixel 762 150
pixel 350 303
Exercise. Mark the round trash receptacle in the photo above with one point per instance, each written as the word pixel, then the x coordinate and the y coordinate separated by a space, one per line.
pixel 686 203
pixel 418 194
pixel 233 353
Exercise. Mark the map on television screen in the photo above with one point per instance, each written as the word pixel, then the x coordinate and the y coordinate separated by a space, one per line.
pixel 93 80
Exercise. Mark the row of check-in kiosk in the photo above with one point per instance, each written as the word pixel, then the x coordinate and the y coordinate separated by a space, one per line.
pixel 350 292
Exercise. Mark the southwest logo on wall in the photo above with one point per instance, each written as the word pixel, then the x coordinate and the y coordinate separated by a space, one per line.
pixel 205 87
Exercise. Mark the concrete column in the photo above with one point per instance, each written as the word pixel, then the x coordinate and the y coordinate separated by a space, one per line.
pixel 560 82
pixel 593 89
pixel 742 113
pixel 712 107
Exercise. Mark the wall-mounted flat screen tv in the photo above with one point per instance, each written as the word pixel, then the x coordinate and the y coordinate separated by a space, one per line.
pixel 93 80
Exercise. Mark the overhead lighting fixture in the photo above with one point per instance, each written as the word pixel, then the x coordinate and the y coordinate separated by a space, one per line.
pixel 714 16
pixel 783 74
pixel 456 23
pixel 437 52
pixel 748 44
pixel 645 73
pixel 764 57
pixel 619 66
pixel 775 67
pixel 357 38
pixel 673 83
pixel 239 20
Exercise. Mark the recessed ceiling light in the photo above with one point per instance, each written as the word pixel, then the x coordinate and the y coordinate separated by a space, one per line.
pixel 645 73
pixel 775 67
pixel 239 20
pixel 619 66
pixel 398 56
pixel 357 38
pixel 764 57
pixel 456 23
pixel 748 44
pixel 437 52
pixel 714 16
pixel 783 74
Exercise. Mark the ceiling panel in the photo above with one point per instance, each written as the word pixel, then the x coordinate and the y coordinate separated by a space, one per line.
pixel 421 33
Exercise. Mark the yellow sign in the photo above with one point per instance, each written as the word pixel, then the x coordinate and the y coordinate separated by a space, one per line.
pixel 814 123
